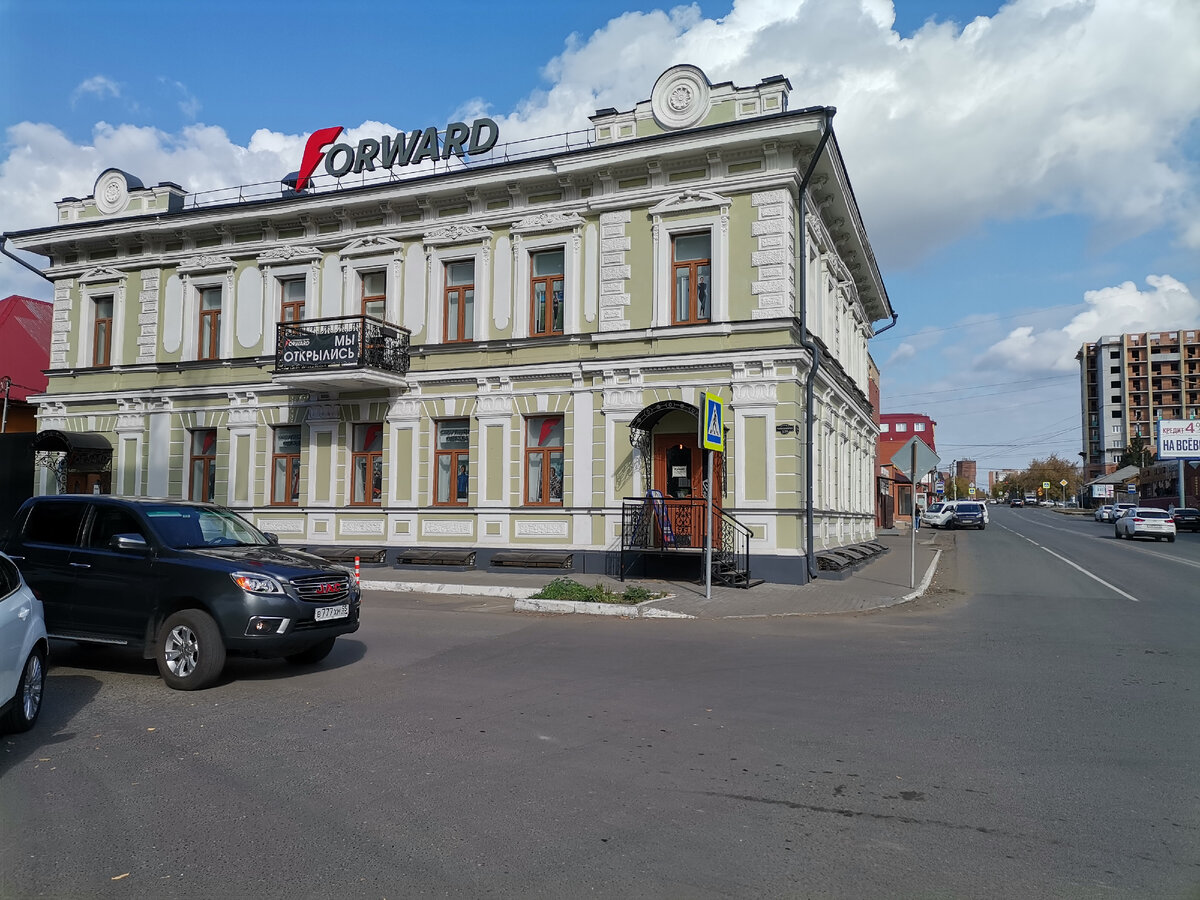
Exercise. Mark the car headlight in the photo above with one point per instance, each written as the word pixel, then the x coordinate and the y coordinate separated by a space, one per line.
pixel 253 583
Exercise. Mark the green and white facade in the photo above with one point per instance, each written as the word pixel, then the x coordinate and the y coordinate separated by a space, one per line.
pixel 165 336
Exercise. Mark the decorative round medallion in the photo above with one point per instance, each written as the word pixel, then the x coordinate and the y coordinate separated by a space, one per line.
pixel 680 98
pixel 112 192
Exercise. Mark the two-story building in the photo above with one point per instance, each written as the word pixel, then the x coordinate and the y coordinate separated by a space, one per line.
pixel 440 341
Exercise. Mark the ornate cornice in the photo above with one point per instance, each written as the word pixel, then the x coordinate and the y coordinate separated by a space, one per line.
pixel 288 254
pixel 205 264
pixel 457 234
pixel 547 221
pixel 690 200
pixel 371 246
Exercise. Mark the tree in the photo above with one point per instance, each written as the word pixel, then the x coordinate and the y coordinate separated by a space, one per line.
pixel 1136 453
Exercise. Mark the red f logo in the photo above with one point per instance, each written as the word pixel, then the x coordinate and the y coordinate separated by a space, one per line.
pixel 317 142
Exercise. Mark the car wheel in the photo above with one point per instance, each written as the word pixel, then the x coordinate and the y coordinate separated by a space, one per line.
pixel 190 653
pixel 1170 538
pixel 313 654
pixel 27 701
pixel 1117 533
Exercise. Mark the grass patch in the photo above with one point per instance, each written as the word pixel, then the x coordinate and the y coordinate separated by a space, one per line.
pixel 568 589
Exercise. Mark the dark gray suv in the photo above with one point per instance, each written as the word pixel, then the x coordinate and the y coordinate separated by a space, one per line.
pixel 184 582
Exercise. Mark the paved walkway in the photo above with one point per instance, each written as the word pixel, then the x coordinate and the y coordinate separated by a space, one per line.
pixel 884 581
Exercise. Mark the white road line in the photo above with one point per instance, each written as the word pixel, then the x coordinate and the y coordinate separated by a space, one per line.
pixel 1111 587
pixel 1130 545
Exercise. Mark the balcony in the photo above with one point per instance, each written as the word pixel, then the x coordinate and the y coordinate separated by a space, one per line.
pixel 347 353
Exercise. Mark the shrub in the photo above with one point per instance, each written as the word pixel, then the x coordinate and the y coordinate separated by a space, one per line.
pixel 563 588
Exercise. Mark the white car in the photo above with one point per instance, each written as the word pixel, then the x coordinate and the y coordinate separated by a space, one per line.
pixel 1146 522
pixel 938 515
pixel 1102 512
pixel 23 650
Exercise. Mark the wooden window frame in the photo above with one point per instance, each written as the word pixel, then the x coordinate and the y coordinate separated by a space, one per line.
pixel 547 281
pixel 102 323
pixel 210 324
pixel 296 307
pixel 692 265
pixel 202 489
pixel 370 458
pixel 372 298
pixel 546 454
pixel 457 458
pixel 461 291
pixel 291 471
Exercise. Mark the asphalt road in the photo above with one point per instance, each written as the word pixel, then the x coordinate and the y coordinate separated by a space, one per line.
pixel 1023 731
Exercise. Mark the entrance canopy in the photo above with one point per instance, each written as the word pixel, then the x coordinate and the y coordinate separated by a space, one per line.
pixel 85 451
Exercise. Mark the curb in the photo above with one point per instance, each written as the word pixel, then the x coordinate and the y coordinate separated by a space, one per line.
pixel 582 607
pixel 457 590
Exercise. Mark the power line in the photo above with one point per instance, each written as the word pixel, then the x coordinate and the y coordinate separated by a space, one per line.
pixel 893 337
pixel 1047 379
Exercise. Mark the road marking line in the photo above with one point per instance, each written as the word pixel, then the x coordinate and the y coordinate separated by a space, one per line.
pixel 1129 546
pixel 1111 587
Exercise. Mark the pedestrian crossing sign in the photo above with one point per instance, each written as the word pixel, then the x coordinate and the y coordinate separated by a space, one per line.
pixel 712 430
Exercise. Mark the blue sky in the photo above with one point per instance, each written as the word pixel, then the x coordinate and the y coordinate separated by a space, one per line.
pixel 1027 179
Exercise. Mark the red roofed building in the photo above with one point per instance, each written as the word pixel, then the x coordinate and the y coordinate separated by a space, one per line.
pixel 896 430
pixel 24 355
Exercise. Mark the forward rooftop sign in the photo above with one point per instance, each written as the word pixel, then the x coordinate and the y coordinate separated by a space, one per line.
pixel 390 151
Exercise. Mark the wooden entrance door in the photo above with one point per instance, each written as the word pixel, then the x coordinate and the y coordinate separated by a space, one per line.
pixel 678 472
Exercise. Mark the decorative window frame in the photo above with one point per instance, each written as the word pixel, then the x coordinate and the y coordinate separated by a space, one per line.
pixel 548 231
pixel 206 272
pixel 709 212
pixel 94 284
pixel 280 264
pixel 457 243
pixel 375 254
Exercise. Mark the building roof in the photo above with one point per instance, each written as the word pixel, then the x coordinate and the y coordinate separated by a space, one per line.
pixel 1118 476
pixel 24 344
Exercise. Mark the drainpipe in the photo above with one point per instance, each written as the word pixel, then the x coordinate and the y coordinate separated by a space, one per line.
pixel 34 269
pixel 805 341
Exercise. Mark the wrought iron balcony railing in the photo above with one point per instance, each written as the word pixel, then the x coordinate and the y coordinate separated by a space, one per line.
pixel 344 342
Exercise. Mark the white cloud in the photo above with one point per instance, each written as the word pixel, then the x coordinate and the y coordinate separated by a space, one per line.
pixel 1049 106
pixel 904 352
pixel 98 86
pixel 1167 306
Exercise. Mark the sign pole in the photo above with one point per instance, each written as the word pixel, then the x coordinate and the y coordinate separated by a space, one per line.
pixel 912 544
pixel 708 530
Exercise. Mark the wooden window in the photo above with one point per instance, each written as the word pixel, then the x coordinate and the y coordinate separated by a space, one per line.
pixel 204 464
pixel 366 465
pixel 452 462
pixel 459 302
pixel 291 300
pixel 374 294
pixel 210 323
pixel 691 265
pixel 102 332
pixel 544 461
pixel 285 466
pixel 546 292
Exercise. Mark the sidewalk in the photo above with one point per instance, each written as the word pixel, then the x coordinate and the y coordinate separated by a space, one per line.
pixel 883 581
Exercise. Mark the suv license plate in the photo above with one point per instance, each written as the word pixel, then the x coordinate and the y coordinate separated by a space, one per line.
pixel 331 612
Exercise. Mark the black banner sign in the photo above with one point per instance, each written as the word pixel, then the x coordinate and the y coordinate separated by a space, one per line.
pixel 327 349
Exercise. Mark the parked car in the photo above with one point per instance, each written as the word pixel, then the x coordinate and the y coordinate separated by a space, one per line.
pixel 1145 522
pixel 186 583
pixel 969 514
pixel 23 651
pixel 938 515
pixel 1119 509
pixel 1186 518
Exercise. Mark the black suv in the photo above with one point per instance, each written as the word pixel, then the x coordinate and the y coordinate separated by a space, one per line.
pixel 184 582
